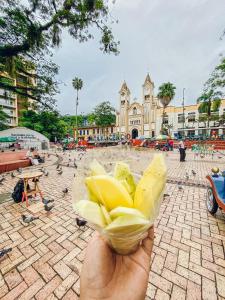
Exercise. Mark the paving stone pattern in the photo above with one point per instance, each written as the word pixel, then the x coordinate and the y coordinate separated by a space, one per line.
pixel 188 256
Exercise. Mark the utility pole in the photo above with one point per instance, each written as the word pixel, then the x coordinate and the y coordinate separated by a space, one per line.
pixel 183 111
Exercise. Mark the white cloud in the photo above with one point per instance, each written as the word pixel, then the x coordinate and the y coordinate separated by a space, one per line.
pixel 175 41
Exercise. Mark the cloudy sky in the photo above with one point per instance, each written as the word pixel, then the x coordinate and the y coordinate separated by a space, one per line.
pixel 173 40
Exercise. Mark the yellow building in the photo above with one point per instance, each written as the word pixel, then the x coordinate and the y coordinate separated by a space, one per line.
pixel 94 132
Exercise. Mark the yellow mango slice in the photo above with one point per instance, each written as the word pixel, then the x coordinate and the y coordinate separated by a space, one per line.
pixel 96 168
pixel 125 211
pixel 122 172
pixel 150 187
pixel 105 213
pixel 109 191
pixel 126 224
pixel 90 211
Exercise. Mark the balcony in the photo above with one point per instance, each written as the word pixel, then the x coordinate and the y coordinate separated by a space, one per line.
pixel 6 103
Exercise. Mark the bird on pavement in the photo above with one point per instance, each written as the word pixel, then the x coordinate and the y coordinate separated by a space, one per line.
pixel 46 201
pixel 65 191
pixel 75 165
pixel 80 223
pixel 48 208
pixel 186 176
pixel 180 186
pixel 60 172
pixel 46 173
pixel 2 179
pixel 193 172
pixel 13 175
pixel 68 164
pixel 5 251
pixel 28 219
pixel 57 167
pixel 19 170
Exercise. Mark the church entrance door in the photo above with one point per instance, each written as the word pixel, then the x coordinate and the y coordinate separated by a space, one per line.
pixel 134 133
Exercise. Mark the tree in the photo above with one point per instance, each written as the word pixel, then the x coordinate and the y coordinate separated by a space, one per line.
pixel 48 123
pixel 3 119
pixel 30 29
pixel 104 114
pixel 209 102
pixel 166 94
pixel 77 85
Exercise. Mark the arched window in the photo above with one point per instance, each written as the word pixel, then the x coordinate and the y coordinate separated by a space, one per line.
pixel 134 111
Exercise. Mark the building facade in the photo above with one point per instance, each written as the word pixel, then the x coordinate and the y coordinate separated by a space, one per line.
pixel 11 103
pixel 187 121
pixel 94 132
pixel 137 118
pixel 144 117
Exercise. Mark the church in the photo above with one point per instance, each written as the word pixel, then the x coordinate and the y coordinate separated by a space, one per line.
pixel 137 118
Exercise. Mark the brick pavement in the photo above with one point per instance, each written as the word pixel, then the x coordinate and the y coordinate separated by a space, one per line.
pixel 188 254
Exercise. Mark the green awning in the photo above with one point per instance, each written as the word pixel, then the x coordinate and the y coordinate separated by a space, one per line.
pixel 7 139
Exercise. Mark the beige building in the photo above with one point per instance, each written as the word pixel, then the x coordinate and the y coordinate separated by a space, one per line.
pixel 137 118
pixel 144 117
pixel 187 121
pixel 12 103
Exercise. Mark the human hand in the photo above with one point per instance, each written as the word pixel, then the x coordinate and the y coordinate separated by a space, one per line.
pixel 107 275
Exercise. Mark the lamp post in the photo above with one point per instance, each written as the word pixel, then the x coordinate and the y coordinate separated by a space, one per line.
pixel 183 110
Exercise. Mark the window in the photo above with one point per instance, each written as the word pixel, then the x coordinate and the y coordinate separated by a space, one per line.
pixel 134 111
pixel 93 131
pixel 111 129
pixel 191 117
pixel 80 132
pixel 87 131
pixel 180 118
pixel 83 132
pixel 98 130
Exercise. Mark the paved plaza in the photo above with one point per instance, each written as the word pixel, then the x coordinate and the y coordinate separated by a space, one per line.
pixel 188 256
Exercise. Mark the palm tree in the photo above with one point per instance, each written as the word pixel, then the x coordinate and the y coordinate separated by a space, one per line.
pixel 77 85
pixel 166 94
pixel 209 102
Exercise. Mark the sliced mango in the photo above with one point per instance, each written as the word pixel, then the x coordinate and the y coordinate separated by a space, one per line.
pixel 126 224
pixel 90 211
pixel 149 189
pixel 105 213
pixel 122 172
pixel 108 191
pixel 125 211
pixel 96 168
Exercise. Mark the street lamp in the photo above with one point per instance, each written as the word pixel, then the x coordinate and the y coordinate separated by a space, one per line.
pixel 183 110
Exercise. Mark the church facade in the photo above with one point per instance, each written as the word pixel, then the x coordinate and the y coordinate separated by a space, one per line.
pixel 137 118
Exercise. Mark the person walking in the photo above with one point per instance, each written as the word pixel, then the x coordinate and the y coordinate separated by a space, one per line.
pixel 182 150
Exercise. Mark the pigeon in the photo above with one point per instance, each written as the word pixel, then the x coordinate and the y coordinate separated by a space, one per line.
pixel 2 179
pixel 80 223
pixel 46 201
pixel 13 175
pixel 180 186
pixel 65 191
pixel 68 165
pixel 5 251
pixel 46 173
pixel 186 176
pixel 48 208
pixel 19 170
pixel 28 219
pixel 57 167
pixel 165 195
pixel 75 165
pixel 74 175
pixel 219 157
pixel 60 172
pixel 193 172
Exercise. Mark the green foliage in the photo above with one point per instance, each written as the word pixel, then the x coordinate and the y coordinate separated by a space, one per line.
pixel 77 83
pixel 3 119
pixel 166 93
pixel 104 114
pixel 45 122
pixel 29 30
